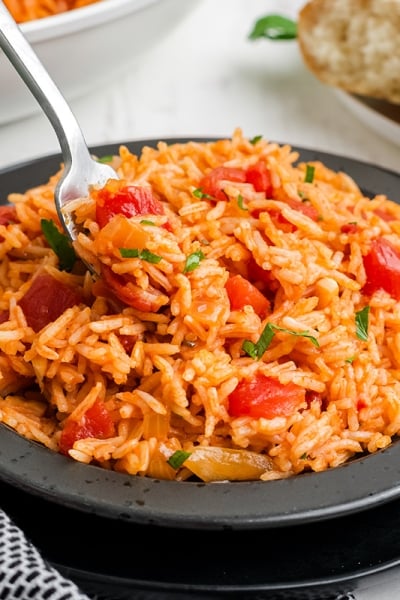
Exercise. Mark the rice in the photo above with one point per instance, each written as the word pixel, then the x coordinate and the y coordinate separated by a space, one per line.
pixel 29 10
pixel 237 330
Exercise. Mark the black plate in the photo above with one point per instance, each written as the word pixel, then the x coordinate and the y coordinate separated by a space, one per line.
pixel 356 486
pixel 126 561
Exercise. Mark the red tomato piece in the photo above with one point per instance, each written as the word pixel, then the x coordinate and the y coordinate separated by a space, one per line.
pixel 260 177
pixel 8 214
pixel 128 200
pixel 265 397
pixel 95 423
pixel 211 183
pixel 382 268
pixel 257 273
pixel 129 293
pixel 242 293
pixel 46 300
pixel 384 215
pixel 349 228
pixel 305 207
pixel 361 404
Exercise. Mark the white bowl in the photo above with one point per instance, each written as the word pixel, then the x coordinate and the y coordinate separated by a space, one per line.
pixel 89 46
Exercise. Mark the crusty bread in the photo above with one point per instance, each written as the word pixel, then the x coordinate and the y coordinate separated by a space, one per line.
pixel 353 45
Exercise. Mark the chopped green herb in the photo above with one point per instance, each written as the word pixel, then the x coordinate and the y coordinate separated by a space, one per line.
pixel 240 202
pixel 198 193
pixel 193 261
pixel 309 176
pixel 304 456
pixel 274 27
pixel 147 222
pixel 256 350
pixel 142 254
pixel 177 459
pixel 350 360
pixel 256 139
pixel 59 243
pixel 105 159
pixel 362 323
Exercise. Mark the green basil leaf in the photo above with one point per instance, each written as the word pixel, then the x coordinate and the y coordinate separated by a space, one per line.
pixel 59 243
pixel 274 27
pixel 362 318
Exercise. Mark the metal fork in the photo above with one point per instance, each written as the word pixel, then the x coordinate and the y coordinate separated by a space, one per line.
pixel 80 169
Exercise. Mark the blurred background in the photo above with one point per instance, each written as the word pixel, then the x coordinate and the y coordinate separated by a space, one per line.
pixel 204 77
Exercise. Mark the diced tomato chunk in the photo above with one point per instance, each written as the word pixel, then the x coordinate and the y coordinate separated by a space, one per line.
pixel 211 184
pixel 305 207
pixel 46 300
pixel 265 397
pixel 382 268
pixel 95 423
pixel 129 293
pixel 361 404
pixel 257 273
pixel 242 293
pixel 260 177
pixel 349 228
pixel 8 214
pixel 385 216
pixel 129 200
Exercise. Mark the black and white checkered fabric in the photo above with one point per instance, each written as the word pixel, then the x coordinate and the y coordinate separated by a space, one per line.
pixel 24 575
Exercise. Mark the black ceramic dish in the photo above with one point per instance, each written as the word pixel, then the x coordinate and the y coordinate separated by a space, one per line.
pixel 116 560
pixel 357 486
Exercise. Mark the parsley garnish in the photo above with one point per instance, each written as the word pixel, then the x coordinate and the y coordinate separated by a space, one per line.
pixel 350 360
pixel 177 459
pixel 240 202
pixel 362 323
pixel 309 176
pixel 198 193
pixel 59 243
pixel 105 159
pixel 137 253
pixel 256 139
pixel 193 261
pixel 256 350
pixel 147 222
pixel 274 27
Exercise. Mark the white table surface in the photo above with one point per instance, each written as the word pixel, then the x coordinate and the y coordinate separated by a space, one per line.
pixel 205 79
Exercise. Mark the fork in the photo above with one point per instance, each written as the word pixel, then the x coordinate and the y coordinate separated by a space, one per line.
pixel 80 169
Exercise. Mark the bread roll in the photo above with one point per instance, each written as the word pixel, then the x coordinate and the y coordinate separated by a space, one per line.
pixel 353 45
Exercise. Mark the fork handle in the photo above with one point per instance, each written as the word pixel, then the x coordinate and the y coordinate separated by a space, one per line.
pixel 33 73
